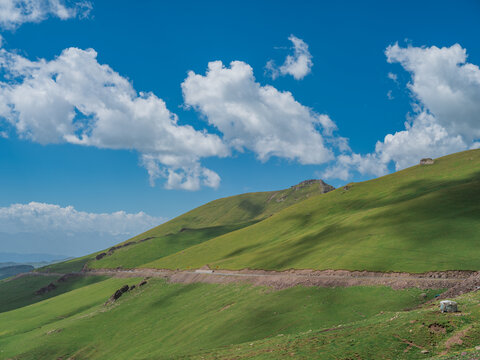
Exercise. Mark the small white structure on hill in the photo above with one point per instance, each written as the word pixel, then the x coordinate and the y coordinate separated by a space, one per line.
pixel 427 161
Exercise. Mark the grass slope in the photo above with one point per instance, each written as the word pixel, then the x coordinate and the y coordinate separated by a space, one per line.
pixel 386 335
pixel 12 270
pixel 420 219
pixel 161 246
pixel 20 292
pixel 161 320
pixel 194 227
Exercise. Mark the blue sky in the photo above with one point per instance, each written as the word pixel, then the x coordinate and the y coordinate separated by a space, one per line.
pixel 153 45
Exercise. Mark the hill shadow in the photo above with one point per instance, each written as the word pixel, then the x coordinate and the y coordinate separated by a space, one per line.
pixel 437 209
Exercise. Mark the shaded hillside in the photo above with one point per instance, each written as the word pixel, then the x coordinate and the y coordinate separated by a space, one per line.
pixel 22 291
pixel 199 225
pixel 167 321
pixel 416 334
pixel 12 270
pixel 423 218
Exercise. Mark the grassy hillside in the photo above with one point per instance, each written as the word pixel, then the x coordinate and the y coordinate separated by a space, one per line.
pixel 194 227
pixel 11 270
pixel 419 219
pixel 159 320
pixel 20 292
pixel 386 335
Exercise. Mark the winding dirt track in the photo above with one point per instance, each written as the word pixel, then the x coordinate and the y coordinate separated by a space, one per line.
pixel 452 280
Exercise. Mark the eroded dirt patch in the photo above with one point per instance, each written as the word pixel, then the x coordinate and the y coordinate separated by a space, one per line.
pixel 437 329
pixel 455 339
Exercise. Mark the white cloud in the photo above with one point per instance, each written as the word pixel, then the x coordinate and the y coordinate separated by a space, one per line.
pixel 75 99
pixel 423 137
pixel 298 65
pixel 260 118
pixel 389 95
pixel 393 77
pixel 446 119
pixel 64 230
pixel 14 13
pixel 39 217
pixel 445 84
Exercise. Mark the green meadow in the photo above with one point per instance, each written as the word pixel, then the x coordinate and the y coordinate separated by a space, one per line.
pixel 161 320
pixel 420 219
pixel 21 291
pixel 416 334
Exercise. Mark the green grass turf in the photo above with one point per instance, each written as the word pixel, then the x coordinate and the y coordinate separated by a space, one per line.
pixel 420 219
pixel 150 250
pixel 386 335
pixel 12 270
pixel 69 266
pixel 20 292
pixel 161 320
pixel 201 224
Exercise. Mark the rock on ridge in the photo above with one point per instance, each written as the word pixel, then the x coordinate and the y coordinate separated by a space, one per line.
pixel 324 187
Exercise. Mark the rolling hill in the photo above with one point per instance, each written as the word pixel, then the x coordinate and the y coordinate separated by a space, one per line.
pixel 422 219
pixel 197 226
pixel 11 270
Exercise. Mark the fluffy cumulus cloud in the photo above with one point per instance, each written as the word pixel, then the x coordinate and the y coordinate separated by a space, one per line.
pixel 39 217
pixel 446 112
pixel 75 99
pixel 298 65
pixel 259 118
pixel 14 13
pixel 31 227
pixel 445 84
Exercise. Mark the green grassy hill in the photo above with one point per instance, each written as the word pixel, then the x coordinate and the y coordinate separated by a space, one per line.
pixel 416 334
pixel 420 219
pixel 197 226
pixel 164 321
pixel 21 291
pixel 11 270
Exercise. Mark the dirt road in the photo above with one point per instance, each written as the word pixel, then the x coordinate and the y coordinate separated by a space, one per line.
pixel 452 280
pixel 285 279
pixel 457 282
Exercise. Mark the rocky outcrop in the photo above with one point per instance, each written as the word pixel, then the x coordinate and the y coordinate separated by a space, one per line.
pixel 46 289
pixel 67 277
pixel 427 161
pixel 116 247
pixel 314 186
pixel 100 256
pixel 117 294
pixel 323 186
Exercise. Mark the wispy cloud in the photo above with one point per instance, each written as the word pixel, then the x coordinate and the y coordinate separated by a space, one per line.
pixel 14 13
pixel 41 227
pixel 299 64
